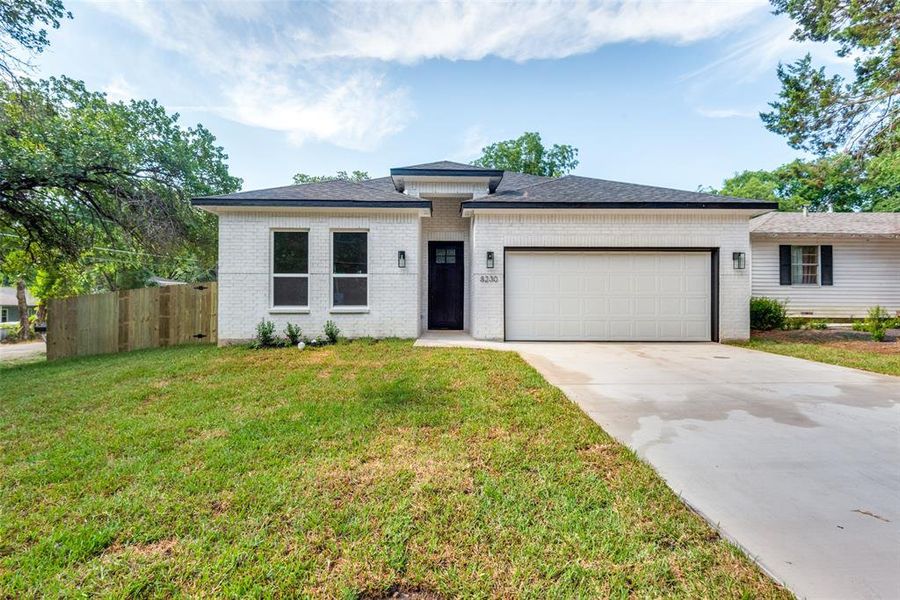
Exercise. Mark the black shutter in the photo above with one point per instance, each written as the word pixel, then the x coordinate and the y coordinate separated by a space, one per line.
pixel 784 265
pixel 826 257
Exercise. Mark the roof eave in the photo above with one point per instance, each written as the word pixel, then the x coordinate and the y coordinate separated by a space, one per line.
pixel 621 205
pixel 212 202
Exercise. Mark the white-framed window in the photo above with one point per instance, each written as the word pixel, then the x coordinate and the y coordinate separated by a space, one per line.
pixel 804 265
pixel 4 315
pixel 290 269
pixel 349 269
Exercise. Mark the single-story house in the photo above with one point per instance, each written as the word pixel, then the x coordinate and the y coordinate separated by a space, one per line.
pixel 498 254
pixel 827 265
pixel 9 304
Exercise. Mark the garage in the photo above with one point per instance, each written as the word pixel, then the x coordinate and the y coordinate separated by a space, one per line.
pixel 610 295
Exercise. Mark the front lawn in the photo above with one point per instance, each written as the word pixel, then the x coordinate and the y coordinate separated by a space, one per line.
pixel 358 470
pixel 841 347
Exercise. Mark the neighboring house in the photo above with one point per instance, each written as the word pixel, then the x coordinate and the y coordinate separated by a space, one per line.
pixel 500 255
pixel 9 304
pixel 828 264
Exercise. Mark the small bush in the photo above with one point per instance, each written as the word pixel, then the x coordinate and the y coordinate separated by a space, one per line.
pixel 817 324
pixel 767 314
pixel 793 323
pixel 293 334
pixel 858 326
pixel 265 335
pixel 331 332
pixel 877 323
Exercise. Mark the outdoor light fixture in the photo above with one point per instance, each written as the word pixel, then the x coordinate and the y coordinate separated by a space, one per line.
pixel 739 259
pixel 490 260
pixel 401 259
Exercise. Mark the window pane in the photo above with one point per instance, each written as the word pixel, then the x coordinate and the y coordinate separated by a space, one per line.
pixel 290 291
pixel 350 291
pixel 350 252
pixel 451 255
pixel 291 252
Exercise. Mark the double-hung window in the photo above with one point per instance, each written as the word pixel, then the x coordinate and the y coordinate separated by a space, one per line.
pixel 350 269
pixel 804 265
pixel 290 269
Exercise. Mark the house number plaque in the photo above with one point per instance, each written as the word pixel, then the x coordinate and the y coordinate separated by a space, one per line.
pixel 490 279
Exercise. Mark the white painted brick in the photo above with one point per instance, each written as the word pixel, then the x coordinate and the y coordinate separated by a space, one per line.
pixel 496 231
pixel 245 278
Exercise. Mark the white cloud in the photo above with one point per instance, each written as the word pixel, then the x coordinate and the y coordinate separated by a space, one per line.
pixel 119 90
pixel 519 31
pixel 470 144
pixel 726 113
pixel 317 71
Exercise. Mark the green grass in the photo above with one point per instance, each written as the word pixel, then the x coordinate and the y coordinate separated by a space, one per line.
pixel 868 360
pixel 350 471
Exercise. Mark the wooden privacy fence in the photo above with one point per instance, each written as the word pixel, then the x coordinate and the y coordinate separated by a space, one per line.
pixel 132 319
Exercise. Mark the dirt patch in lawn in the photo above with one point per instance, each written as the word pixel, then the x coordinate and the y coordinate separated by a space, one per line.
pixel 836 338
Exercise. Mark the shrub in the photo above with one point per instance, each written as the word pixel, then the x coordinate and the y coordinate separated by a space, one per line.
pixel 332 332
pixel 793 323
pixel 817 324
pixel 265 335
pixel 767 314
pixel 858 326
pixel 293 334
pixel 877 323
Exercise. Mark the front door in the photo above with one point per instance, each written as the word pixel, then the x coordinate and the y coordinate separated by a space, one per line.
pixel 446 278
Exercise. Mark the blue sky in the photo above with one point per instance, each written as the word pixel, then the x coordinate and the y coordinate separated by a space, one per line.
pixel 656 92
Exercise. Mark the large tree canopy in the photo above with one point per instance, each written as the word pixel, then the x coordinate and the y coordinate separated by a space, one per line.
pixel 23 26
pixel 835 182
pixel 527 154
pixel 77 170
pixel 339 176
pixel 824 113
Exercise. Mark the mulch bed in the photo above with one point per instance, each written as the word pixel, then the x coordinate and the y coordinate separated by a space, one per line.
pixel 836 338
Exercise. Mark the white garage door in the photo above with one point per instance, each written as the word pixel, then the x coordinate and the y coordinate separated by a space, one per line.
pixel 607 296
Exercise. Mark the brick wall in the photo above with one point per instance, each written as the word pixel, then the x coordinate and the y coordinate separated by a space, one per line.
pixel 245 273
pixel 644 228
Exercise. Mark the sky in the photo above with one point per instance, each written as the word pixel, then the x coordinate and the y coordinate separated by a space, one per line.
pixel 663 92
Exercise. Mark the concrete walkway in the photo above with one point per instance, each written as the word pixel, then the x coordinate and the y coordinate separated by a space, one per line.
pixel 795 461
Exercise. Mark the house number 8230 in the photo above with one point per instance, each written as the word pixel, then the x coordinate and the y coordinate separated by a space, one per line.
pixel 489 279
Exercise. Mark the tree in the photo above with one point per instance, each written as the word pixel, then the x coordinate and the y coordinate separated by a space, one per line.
pixel 835 182
pixel 23 26
pixel 527 154
pixel 78 171
pixel 823 114
pixel 300 178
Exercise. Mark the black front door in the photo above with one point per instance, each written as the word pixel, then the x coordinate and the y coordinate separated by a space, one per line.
pixel 445 285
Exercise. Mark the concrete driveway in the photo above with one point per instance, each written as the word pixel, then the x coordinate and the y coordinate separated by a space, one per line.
pixel 797 462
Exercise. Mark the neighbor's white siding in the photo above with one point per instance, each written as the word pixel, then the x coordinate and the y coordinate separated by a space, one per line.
pixel 640 228
pixel 244 273
pixel 866 273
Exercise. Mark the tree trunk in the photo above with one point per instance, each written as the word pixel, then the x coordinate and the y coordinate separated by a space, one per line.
pixel 24 329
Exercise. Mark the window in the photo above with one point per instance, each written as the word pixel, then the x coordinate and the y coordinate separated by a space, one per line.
pixel 349 272
pixel 4 315
pixel 445 256
pixel 290 269
pixel 804 264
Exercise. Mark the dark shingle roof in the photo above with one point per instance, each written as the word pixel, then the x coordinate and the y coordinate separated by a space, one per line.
pixel 836 224
pixel 573 191
pixel 337 194
pixel 443 165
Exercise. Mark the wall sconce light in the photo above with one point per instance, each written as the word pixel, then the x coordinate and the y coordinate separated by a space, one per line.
pixel 490 260
pixel 739 259
pixel 401 259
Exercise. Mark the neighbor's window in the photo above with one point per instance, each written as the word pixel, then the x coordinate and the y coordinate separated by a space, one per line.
pixel 4 315
pixel 290 268
pixel 804 264
pixel 350 279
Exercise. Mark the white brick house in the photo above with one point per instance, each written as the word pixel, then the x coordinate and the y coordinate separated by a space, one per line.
pixel 501 255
